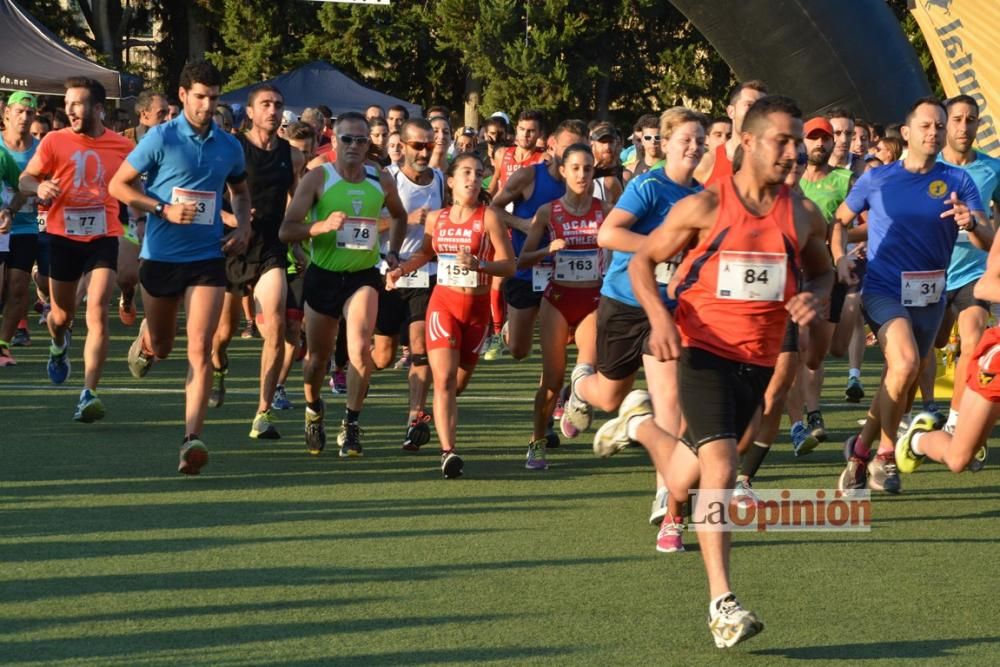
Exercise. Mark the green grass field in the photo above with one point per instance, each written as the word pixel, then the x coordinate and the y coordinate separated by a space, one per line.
pixel 273 557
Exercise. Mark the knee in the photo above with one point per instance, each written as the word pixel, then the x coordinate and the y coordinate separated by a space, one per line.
pixel 382 357
pixel 902 372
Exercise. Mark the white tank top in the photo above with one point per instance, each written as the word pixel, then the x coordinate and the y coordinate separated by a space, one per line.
pixel 415 196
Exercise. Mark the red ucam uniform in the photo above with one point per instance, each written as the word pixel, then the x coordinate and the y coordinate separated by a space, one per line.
pixel 508 164
pixel 722 169
pixel 458 314
pixel 732 288
pixel 575 287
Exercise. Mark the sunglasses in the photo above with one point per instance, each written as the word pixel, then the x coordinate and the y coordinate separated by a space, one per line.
pixel 348 139
pixel 651 137
pixel 421 145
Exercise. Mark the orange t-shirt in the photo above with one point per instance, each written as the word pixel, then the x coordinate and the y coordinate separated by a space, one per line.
pixel 84 165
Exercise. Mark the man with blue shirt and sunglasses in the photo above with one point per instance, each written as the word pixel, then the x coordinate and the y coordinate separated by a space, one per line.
pixel 188 163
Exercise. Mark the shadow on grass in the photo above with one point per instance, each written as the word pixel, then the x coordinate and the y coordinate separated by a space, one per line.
pixel 926 648
pixel 506 655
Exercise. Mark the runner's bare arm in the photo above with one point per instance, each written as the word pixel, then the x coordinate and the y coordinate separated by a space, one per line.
pixel 988 286
pixel 125 186
pixel 686 220
pixel 841 222
pixel 818 275
pixel 495 181
pixel 530 253
pixel 612 190
pixel 973 222
pixel 615 232
pixel 33 182
pixel 704 168
pixel 295 226
pixel 503 263
pixel 239 196
pixel 298 165
pixel 516 189
pixel 397 229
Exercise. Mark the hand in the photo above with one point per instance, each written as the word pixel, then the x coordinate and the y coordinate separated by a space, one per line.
pixel 5 219
pixel 392 259
pixel 556 246
pixel 845 271
pixel 418 217
pixel 391 277
pixel 332 222
pixel 181 213
pixel 664 341
pixel 959 212
pixel 301 260
pixel 466 260
pixel 238 241
pixel 803 308
pixel 49 190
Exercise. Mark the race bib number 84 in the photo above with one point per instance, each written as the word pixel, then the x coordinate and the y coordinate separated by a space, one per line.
pixel 752 276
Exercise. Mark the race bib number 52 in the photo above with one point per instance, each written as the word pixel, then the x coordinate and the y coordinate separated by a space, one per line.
pixel 751 276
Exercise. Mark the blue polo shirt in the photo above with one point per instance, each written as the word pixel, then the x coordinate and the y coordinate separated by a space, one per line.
pixel 968 263
pixel 648 197
pixel 25 220
pixel 905 229
pixel 173 155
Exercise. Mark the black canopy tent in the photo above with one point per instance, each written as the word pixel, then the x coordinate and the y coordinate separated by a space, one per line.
pixel 318 83
pixel 35 60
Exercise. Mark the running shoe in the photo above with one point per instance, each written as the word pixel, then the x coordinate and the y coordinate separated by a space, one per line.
pixel 315 432
pixel 612 437
pixel 280 400
pixel 744 495
pixel 803 441
pixel 854 391
pixel 536 456
pixel 854 477
pixel 552 440
pixel 816 425
pixel 139 362
pixel 89 409
pixel 494 348
pixel 731 624
pixel 907 461
pixel 21 338
pixel 217 396
pixel 418 433
pixel 126 311
pixel 58 366
pixel 262 428
pixel 659 507
pixel 978 461
pixel 194 457
pixel 883 475
pixel 349 440
pixel 451 464
pixel 904 423
pixel 670 539
pixel 6 358
pixel 577 414
pixel 404 361
pixel 250 331
pixel 560 408
pixel 338 382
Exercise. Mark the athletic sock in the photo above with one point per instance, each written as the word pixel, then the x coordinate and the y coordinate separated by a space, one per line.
pixel 861 449
pixel 854 373
pixel 352 415
pixel 55 349
pixel 632 428
pixel 316 407
pixel 914 447
pixel 752 459
pixel 713 606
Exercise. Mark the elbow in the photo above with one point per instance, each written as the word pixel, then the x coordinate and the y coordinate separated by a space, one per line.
pixel 284 234
pixel 604 237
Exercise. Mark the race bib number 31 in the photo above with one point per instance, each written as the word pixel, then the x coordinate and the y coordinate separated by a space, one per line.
pixel 578 266
pixel 751 276
pixel 450 273
pixel 85 221
pixel 204 204
pixel 921 288
pixel 357 234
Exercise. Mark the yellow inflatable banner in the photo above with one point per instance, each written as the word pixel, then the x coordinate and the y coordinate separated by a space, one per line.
pixel 962 37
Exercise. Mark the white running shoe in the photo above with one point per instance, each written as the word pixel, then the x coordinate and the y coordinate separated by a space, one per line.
pixel 612 437
pixel 731 624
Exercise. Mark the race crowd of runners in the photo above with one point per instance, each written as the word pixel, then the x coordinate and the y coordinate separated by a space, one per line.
pixel 725 258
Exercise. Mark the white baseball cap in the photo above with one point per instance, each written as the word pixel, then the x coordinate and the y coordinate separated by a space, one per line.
pixel 501 114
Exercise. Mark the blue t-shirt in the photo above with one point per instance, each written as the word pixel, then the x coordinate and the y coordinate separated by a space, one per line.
pixel 648 197
pixel 25 220
pixel 905 229
pixel 546 189
pixel 173 155
pixel 968 263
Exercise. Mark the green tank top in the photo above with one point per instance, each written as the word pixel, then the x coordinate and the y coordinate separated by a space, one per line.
pixel 356 200
pixel 829 192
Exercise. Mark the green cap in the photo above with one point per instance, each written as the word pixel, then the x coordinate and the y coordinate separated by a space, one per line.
pixel 23 98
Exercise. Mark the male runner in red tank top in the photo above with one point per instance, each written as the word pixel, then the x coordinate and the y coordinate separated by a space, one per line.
pixel 718 164
pixel 755 240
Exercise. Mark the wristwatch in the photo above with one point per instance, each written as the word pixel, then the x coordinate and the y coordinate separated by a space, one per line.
pixel 159 208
